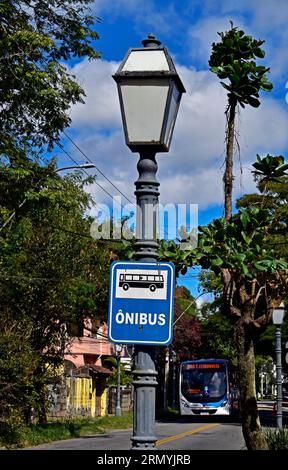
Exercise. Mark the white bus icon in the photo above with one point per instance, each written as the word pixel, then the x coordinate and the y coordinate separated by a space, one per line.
pixel 142 281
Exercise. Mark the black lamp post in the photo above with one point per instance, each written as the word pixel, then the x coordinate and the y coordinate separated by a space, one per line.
pixel 277 316
pixel 149 91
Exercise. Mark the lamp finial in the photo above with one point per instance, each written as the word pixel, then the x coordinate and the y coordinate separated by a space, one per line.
pixel 151 41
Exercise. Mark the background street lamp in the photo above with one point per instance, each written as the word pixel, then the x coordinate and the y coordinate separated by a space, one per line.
pixel 277 316
pixel 149 91
pixel 173 358
pixel 118 411
pixel 75 167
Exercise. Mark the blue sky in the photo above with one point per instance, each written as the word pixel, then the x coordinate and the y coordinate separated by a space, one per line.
pixel 191 172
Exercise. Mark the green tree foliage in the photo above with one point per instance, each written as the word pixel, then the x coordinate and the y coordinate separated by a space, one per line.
pixel 36 38
pixel 171 251
pixel 243 243
pixel 269 168
pixel 185 301
pixel 254 278
pixel 272 182
pixel 18 362
pixel 52 274
pixel 51 271
pixel 234 59
pixel 217 330
pixel 217 334
pixel 246 274
pixel 125 375
pixel 272 178
pixel 186 331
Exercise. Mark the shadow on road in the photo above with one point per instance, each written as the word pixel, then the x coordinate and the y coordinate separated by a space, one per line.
pixel 203 419
pixel 267 419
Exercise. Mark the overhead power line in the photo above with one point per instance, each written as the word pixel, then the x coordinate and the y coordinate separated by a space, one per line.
pixel 187 308
pixel 78 164
pixel 98 169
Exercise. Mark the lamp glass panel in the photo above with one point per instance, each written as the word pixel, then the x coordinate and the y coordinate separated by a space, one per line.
pixel 175 98
pixel 144 104
pixel 146 61
pixel 278 316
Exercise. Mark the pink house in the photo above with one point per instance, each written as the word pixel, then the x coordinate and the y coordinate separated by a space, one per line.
pixel 89 348
pixel 83 390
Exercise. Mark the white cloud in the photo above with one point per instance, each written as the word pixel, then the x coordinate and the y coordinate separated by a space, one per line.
pixel 264 130
pixel 262 19
pixel 193 25
pixel 101 109
pixel 199 131
pixel 205 299
pixel 266 14
pixel 201 35
pixel 202 187
pixel 191 172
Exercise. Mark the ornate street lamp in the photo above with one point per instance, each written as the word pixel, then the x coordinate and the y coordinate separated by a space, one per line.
pixel 278 316
pixel 149 91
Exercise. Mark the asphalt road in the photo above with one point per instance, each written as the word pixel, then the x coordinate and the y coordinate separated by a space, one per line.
pixel 184 434
pixel 187 433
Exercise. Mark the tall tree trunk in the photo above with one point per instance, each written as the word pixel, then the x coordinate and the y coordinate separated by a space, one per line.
pixel 27 413
pixel 42 407
pixel 251 427
pixel 41 393
pixel 228 174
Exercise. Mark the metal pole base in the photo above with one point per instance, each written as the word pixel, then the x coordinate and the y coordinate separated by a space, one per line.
pixel 143 443
pixel 144 399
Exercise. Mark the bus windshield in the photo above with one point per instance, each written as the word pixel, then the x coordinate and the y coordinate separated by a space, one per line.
pixel 203 383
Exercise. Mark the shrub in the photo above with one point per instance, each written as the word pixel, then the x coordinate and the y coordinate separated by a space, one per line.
pixel 277 439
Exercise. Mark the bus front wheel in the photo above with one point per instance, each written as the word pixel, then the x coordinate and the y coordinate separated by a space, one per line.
pixel 125 286
pixel 152 287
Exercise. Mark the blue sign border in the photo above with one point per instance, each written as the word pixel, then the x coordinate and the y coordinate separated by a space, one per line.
pixel 170 294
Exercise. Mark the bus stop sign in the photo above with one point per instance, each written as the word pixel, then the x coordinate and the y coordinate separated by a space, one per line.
pixel 141 302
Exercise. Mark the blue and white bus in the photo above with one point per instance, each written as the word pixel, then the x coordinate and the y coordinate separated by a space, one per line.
pixel 206 388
